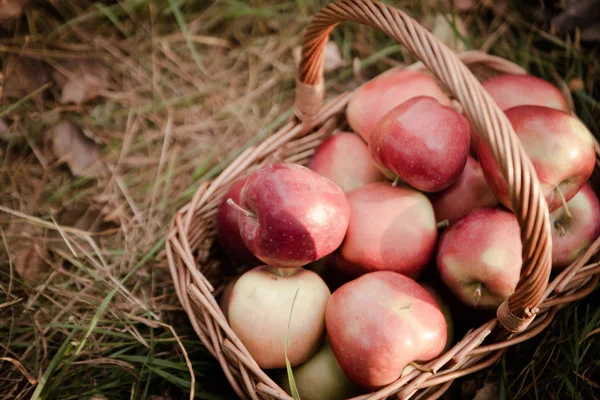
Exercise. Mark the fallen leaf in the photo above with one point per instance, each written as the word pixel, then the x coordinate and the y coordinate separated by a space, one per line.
pixel 29 263
pixel 449 29
pixel 71 146
pixel 332 56
pixel 489 391
pixel 10 9
pixel 81 80
pixel 22 75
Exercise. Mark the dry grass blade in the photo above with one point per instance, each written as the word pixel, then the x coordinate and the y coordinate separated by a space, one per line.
pixel 21 368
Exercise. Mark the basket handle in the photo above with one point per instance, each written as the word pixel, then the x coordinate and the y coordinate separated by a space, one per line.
pixel 528 203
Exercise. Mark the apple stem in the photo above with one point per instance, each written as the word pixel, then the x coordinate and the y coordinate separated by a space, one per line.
pixel 396 180
pixel 561 229
pixel 478 293
pixel 239 208
pixel 420 367
pixel 564 202
pixel 443 224
pixel 283 272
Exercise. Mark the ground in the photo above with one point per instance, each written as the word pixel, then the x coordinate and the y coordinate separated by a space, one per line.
pixel 167 93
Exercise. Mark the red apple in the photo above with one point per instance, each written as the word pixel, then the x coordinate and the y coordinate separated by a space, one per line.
pixel 524 90
pixel 344 158
pixel 560 147
pixel 292 215
pixel 520 90
pixel 574 231
pixel 479 257
pixel 445 309
pixel 381 94
pixel 423 142
pixel 391 228
pixel 381 322
pixel 228 230
pixel 471 191
pixel 259 311
pixel 321 378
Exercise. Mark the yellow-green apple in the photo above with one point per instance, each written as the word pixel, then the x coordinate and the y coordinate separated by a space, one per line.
pixel 344 158
pixel 479 257
pixel 380 323
pixel 471 191
pixel 321 378
pixel 423 142
pixel 445 309
pixel 381 94
pixel 391 228
pixel 512 90
pixel 259 312
pixel 560 147
pixel 226 296
pixel 228 230
pixel 575 228
pixel 290 215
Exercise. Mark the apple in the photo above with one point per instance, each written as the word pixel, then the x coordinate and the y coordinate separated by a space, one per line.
pixel 479 257
pixel 513 90
pixel 575 228
pixel 259 312
pixel 344 158
pixel 560 147
pixel 423 142
pixel 291 215
pixel 471 191
pixel 320 378
pixel 228 230
pixel 226 296
pixel 391 228
pixel 445 309
pixel 380 323
pixel 381 94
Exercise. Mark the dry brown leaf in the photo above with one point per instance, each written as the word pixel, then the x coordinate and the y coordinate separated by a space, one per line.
pixel 489 391
pixel 442 27
pixel 71 146
pixel 29 262
pixel 81 80
pixel 332 58
pixel 11 9
pixel 22 75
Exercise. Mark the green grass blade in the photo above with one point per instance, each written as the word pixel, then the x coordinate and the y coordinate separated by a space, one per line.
pixel 58 357
pixel 288 365
pixel 186 34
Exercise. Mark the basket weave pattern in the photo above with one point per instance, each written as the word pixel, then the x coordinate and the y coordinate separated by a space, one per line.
pixel 193 256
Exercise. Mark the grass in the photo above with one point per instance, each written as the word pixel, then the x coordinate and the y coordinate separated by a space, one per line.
pixel 191 85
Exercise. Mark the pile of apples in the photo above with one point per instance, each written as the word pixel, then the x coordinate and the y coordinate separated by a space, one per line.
pixel 413 189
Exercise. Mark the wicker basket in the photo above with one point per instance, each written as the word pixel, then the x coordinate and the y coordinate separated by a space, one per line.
pixel 198 274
